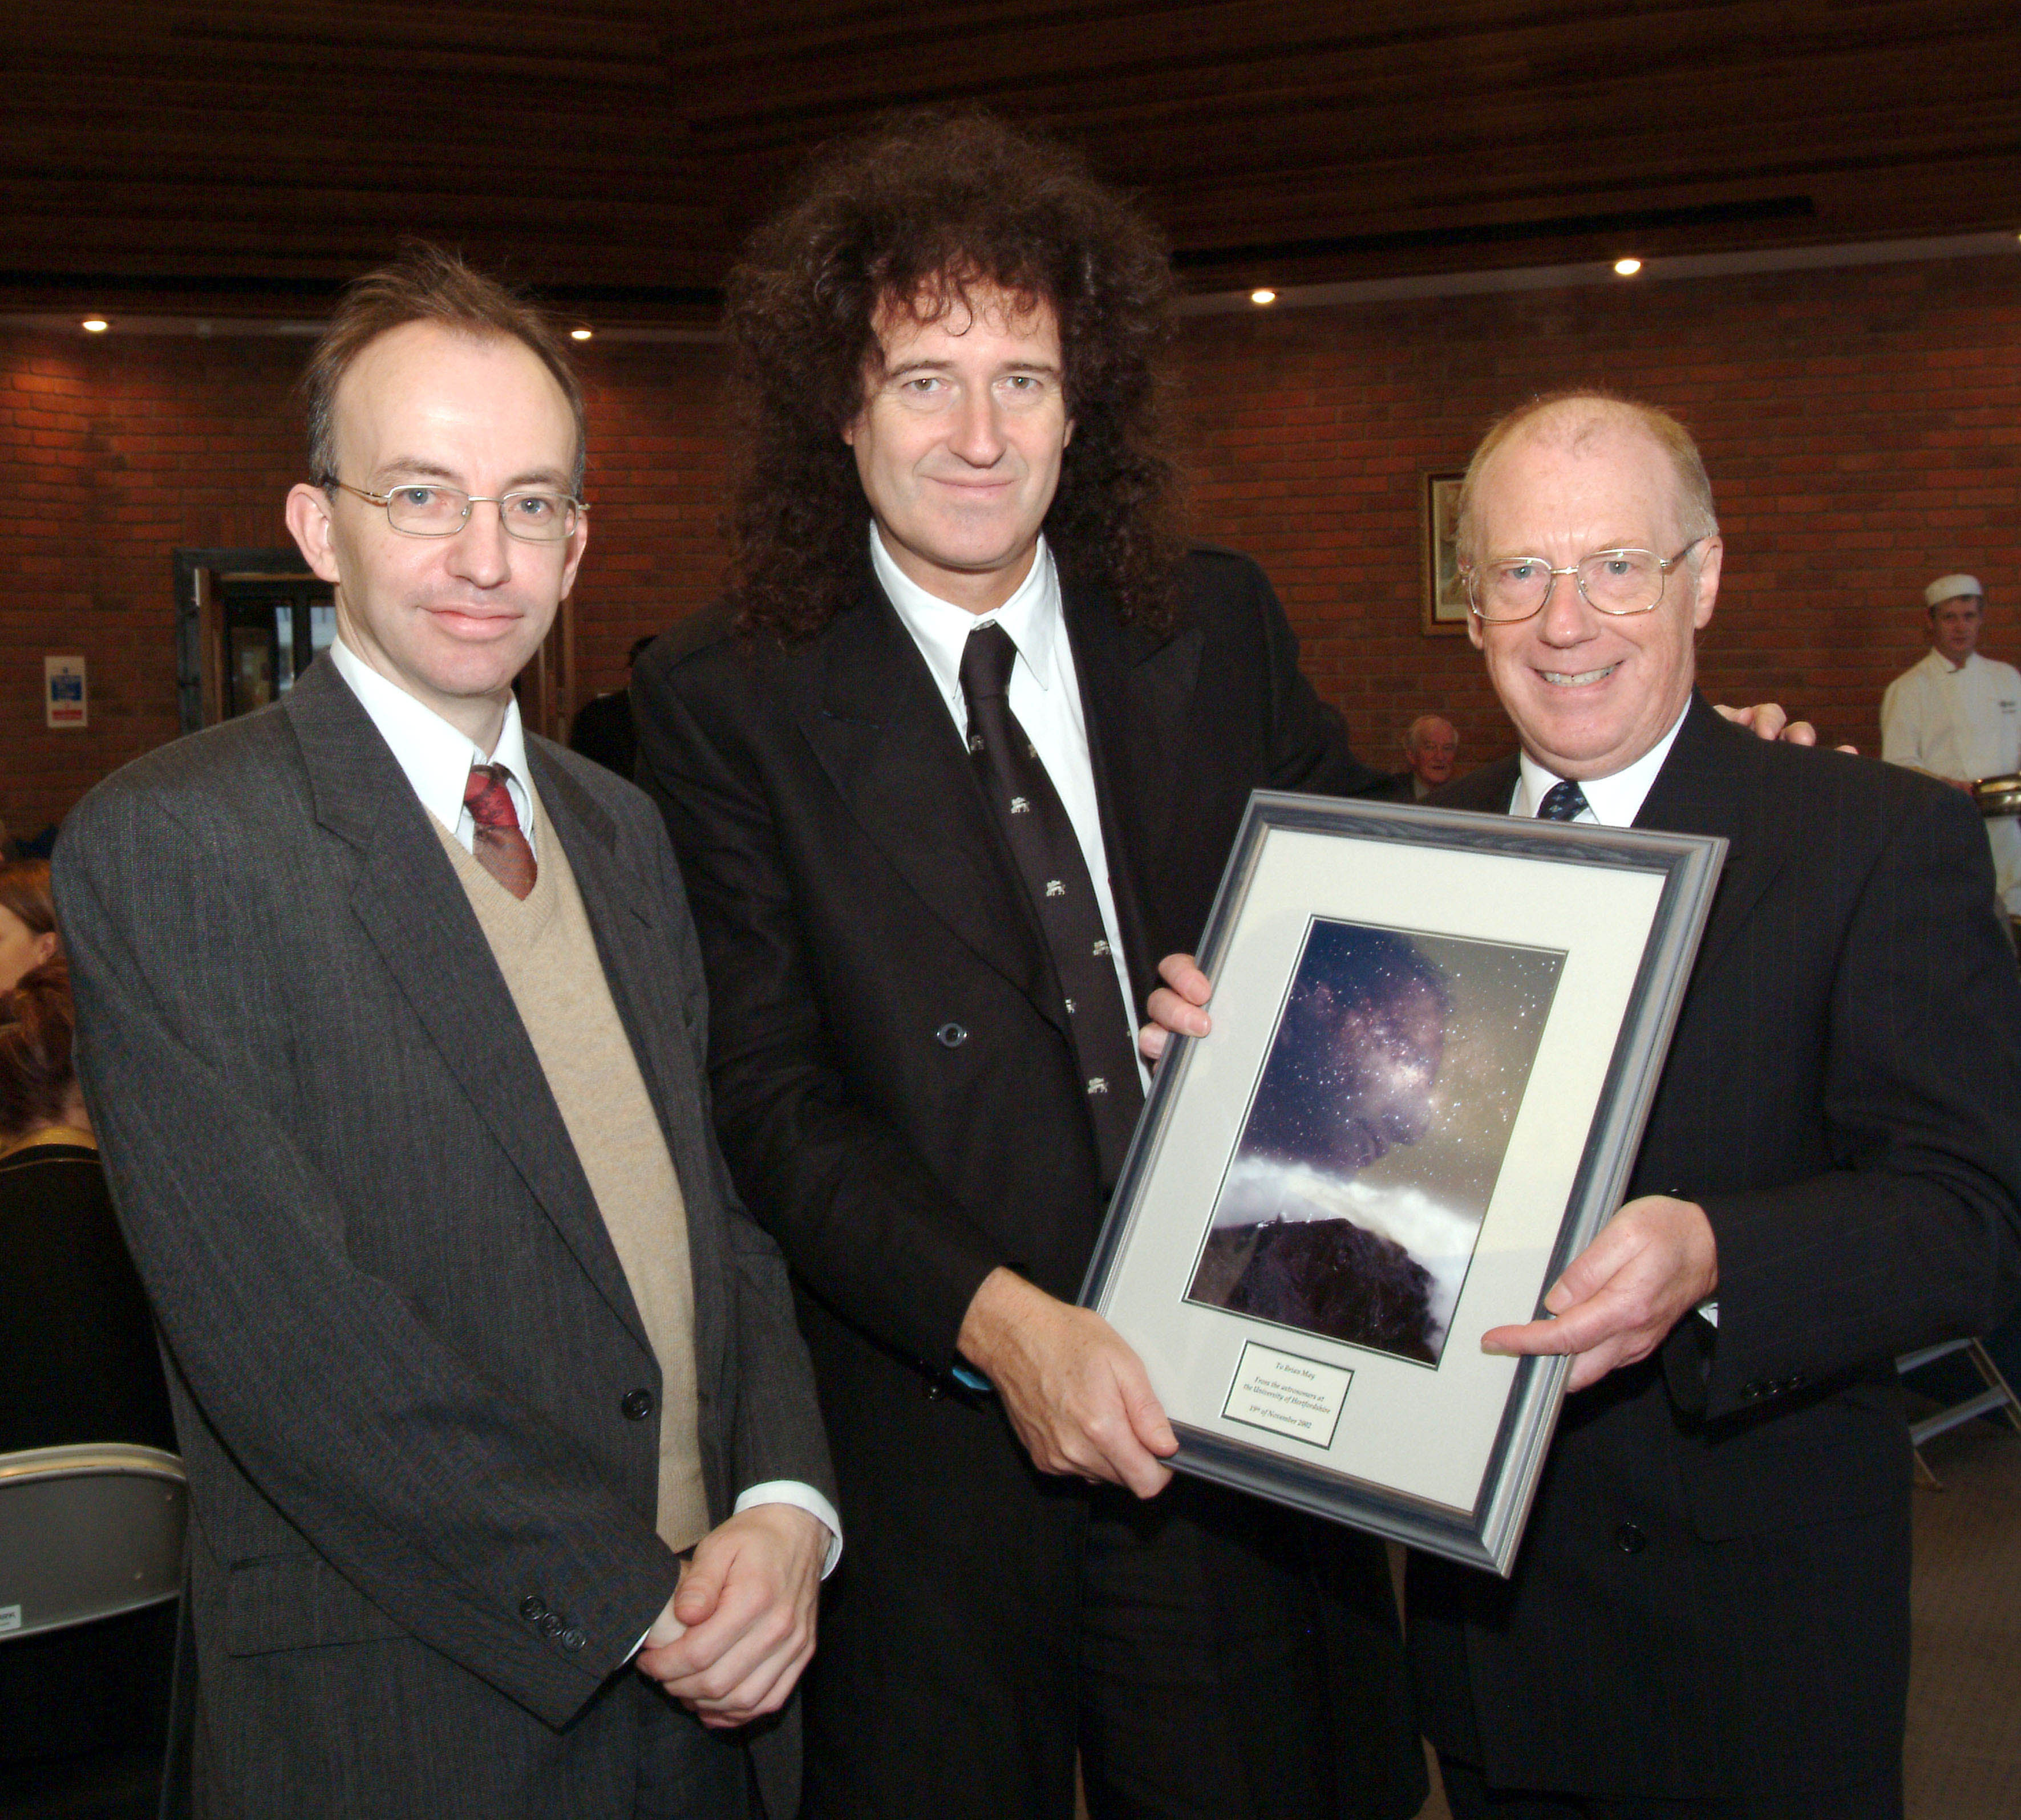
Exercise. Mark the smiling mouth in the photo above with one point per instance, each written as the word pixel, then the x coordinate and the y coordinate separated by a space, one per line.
pixel 1567 679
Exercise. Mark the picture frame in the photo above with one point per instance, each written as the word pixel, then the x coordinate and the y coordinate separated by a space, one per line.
pixel 1436 1037
pixel 1445 611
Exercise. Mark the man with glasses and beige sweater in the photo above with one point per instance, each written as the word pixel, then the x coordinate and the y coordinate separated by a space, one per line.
pixel 392 1026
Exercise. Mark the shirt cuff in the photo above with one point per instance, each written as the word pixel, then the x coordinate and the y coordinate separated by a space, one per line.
pixel 801 1498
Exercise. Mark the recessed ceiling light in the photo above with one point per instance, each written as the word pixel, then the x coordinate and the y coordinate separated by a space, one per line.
pixel 579 334
pixel 1628 268
pixel 1263 296
pixel 95 325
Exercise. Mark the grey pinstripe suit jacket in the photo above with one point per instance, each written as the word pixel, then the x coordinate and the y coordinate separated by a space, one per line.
pixel 400 1340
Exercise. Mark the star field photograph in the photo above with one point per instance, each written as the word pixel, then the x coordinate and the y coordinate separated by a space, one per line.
pixel 1355 1196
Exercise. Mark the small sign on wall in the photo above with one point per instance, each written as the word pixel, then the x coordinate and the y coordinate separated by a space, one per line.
pixel 66 696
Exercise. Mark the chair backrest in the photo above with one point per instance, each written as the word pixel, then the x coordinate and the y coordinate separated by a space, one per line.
pixel 87 1532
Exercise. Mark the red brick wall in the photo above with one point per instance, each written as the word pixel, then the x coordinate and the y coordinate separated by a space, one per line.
pixel 1863 428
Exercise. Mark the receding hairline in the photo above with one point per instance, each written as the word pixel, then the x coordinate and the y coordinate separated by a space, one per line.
pixel 1425 719
pixel 476 335
pixel 1574 420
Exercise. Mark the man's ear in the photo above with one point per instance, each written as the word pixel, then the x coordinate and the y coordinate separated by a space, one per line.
pixel 1708 583
pixel 308 522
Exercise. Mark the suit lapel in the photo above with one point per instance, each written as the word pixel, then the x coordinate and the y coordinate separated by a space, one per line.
pixel 1708 785
pixel 1135 689
pixel 407 898
pixel 876 723
pixel 627 916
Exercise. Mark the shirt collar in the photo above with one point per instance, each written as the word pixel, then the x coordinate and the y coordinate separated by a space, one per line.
pixel 435 756
pixel 1032 617
pixel 1942 666
pixel 1615 801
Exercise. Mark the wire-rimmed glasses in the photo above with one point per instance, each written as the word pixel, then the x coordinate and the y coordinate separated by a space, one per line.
pixel 1619 582
pixel 422 508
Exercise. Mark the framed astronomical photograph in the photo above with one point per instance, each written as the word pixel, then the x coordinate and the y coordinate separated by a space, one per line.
pixel 1445 593
pixel 1435 1037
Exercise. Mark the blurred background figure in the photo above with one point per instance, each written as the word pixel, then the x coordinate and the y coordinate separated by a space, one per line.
pixel 77 1364
pixel 602 728
pixel 1431 744
pixel 27 918
pixel 1957 716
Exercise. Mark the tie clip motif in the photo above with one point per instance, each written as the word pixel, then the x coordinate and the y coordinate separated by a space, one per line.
pixel 1098 1085
pixel 1055 888
pixel 1020 806
pixel 1100 948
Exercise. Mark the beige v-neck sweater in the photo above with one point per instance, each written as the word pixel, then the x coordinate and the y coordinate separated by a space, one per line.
pixel 546 950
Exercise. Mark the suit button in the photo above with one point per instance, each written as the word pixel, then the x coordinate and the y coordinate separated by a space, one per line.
pixel 572 1639
pixel 532 1607
pixel 1751 1392
pixel 550 1625
pixel 638 1405
pixel 933 1391
pixel 1630 1538
pixel 951 1037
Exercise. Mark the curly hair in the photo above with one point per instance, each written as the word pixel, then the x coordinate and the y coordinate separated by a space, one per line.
pixel 927 205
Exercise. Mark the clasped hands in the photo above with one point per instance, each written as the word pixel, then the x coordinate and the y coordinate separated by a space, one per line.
pixel 739 1628
pixel 1649 1267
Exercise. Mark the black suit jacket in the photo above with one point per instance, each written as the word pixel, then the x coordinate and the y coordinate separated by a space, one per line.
pixel 401 1341
pixel 1712 1596
pixel 894 1085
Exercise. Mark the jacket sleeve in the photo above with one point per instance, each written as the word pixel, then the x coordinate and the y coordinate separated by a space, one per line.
pixel 1915 1235
pixel 859 1214
pixel 454 1509
pixel 776 1432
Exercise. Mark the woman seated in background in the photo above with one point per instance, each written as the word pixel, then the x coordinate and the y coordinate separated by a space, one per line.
pixel 27 918
pixel 77 1364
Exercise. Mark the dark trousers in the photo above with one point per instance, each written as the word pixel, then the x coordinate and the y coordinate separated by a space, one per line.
pixel 1470 1798
pixel 1190 1651
pixel 685 1771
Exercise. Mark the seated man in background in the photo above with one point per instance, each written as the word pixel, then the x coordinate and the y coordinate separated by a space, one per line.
pixel 1709 1615
pixel 1958 716
pixel 1431 746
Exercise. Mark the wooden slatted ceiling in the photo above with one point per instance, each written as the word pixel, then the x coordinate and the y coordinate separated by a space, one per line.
pixel 614 146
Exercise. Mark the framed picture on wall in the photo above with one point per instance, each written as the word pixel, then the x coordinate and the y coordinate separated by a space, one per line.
pixel 1436 1038
pixel 1445 595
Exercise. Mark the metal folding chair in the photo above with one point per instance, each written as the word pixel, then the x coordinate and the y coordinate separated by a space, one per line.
pixel 1997 1395
pixel 87 1532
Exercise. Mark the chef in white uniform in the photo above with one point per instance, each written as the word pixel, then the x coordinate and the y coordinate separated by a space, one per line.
pixel 1958 716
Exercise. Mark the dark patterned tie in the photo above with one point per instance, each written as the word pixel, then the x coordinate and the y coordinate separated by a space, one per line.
pixel 1055 874
pixel 496 841
pixel 1563 802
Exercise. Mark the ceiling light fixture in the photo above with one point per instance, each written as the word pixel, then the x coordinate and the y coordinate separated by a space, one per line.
pixel 1263 296
pixel 1628 268
pixel 579 334
pixel 94 325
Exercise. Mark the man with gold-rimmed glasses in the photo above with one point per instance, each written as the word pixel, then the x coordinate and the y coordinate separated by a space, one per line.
pixel 1709 1613
pixel 1708 1619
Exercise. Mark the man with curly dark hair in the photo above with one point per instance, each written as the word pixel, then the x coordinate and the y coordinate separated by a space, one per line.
pixel 964 752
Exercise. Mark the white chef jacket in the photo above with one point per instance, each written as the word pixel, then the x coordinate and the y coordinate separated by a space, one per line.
pixel 1962 722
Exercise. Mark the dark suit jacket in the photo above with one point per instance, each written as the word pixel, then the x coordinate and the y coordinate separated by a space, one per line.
pixel 894 1087
pixel 400 1338
pixel 1712 1596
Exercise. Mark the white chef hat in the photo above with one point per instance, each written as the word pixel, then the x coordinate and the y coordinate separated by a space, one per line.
pixel 1949 587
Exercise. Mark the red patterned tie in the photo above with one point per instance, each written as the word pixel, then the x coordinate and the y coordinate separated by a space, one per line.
pixel 499 845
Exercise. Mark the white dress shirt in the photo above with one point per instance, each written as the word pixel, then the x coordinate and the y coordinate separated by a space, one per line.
pixel 1045 696
pixel 1612 802
pixel 437 758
